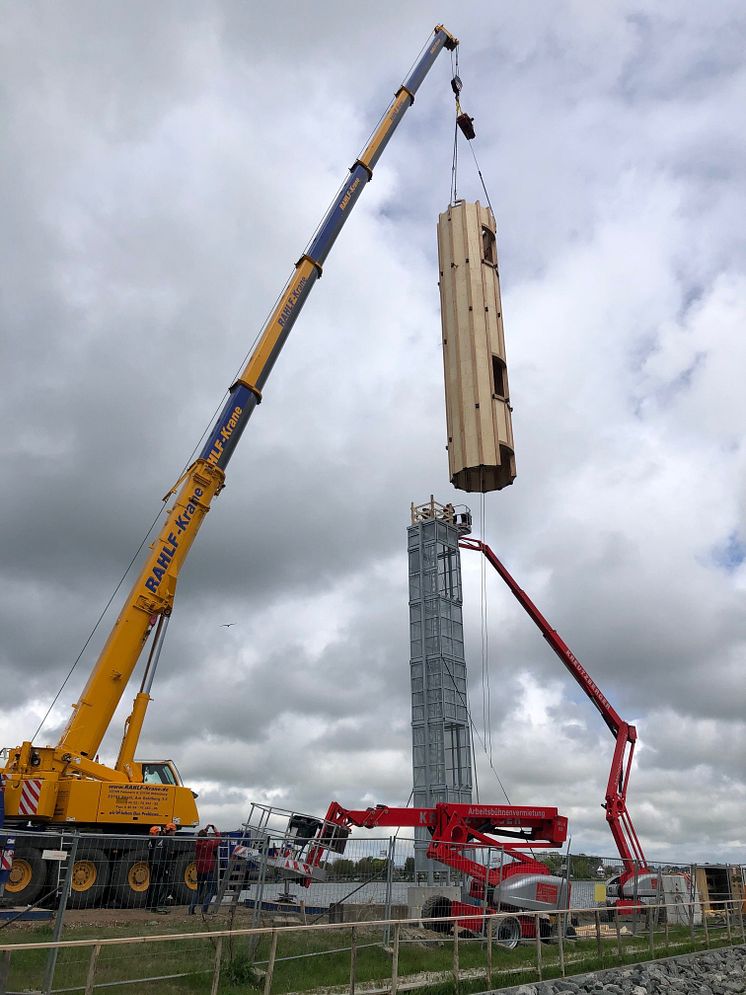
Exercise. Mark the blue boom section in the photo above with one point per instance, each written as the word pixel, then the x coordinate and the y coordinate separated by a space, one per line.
pixel 242 401
pixel 422 68
pixel 337 214
pixel 230 424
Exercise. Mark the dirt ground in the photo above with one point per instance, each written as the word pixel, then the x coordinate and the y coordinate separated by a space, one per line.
pixel 177 919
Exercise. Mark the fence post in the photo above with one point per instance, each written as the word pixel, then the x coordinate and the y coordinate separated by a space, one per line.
pixel 618 932
pixel 599 948
pixel 455 954
pixel 486 890
pixel 353 958
pixel 389 886
pixel 395 960
pixel 706 929
pixel 490 934
pixel 216 969
pixel 270 963
pixel 692 897
pixel 4 971
pixel 537 934
pixel 727 921
pixel 652 912
pixel 59 922
pixel 665 923
pixel 92 967
pixel 635 893
pixel 561 940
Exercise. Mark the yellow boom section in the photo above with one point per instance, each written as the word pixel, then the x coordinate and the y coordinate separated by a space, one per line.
pixel 152 594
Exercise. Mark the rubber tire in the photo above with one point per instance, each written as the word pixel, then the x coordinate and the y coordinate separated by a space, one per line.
pixel 507 933
pixel 37 881
pixel 121 893
pixel 433 908
pixel 93 895
pixel 183 880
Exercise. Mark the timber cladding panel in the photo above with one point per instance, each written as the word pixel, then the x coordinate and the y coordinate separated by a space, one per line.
pixel 478 412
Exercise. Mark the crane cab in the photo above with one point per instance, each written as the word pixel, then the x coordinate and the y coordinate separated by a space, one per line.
pixel 160 772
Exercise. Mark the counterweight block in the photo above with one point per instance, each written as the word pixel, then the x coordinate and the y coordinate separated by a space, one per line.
pixel 478 412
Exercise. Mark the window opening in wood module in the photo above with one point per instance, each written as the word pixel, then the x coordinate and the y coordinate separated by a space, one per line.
pixel 499 377
pixel 489 246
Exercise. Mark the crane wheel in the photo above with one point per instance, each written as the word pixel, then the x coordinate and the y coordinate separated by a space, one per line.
pixel 90 879
pixel 434 908
pixel 507 933
pixel 27 878
pixel 130 880
pixel 183 878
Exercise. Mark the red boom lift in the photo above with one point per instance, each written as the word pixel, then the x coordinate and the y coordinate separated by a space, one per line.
pixel 521 884
pixel 637 881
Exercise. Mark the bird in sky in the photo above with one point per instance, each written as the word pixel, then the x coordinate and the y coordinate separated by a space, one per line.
pixel 226 625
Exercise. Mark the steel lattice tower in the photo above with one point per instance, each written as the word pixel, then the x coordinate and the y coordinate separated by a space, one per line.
pixel 441 741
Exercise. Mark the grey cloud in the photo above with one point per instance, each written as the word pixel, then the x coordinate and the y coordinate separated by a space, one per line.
pixel 162 168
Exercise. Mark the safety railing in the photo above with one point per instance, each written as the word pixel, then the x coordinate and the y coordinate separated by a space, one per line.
pixel 383 954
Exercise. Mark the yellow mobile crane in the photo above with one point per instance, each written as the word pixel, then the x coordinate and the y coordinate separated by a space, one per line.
pixel 66 785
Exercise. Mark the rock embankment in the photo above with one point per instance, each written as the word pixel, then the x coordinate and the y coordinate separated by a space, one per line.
pixel 712 972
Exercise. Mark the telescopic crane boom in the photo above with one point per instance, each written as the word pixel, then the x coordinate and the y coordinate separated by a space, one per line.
pixel 66 784
pixel 625 735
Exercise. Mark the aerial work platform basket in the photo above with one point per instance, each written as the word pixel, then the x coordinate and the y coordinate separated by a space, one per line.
pixel 478 412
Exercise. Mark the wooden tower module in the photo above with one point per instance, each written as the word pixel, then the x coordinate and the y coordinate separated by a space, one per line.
pixel 478 412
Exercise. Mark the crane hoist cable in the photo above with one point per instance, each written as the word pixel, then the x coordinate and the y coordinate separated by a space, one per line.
pixel 464 124
pixel 149 531
pixel 485 641
pixel 476 732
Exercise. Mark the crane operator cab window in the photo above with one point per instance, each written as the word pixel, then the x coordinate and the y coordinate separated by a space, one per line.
pixel 159 772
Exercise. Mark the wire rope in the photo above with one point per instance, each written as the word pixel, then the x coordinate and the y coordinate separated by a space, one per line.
pixel 196 447
pixel 484 627
pixel 474 728
pixel 454 160
pixel 479 171
pixel 152 525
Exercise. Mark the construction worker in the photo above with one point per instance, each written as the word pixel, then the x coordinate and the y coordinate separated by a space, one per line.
pixel 159 862
pixel 206 861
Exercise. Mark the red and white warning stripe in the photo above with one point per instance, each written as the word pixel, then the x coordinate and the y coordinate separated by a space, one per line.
pixel 297 866
pixel 283 863
pixel 7 852
pixel 30 795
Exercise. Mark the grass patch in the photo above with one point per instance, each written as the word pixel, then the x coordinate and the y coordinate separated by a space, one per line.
pixel 312 960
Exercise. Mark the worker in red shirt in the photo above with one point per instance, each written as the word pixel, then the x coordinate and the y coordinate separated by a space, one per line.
pixel 206 860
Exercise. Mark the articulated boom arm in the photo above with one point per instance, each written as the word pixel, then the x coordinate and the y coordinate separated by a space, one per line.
pixel 625 734
pixel 152 595
pixel 454 828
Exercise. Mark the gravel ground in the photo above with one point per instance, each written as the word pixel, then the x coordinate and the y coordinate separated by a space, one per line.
pixel 713 972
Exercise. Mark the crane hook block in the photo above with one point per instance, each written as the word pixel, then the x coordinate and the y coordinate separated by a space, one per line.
pixel 466 124
pixel 478 411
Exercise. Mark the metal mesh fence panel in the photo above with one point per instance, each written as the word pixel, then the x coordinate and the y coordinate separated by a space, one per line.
pixel 157 913
pixel 279 959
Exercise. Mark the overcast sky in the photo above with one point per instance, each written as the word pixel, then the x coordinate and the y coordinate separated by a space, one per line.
pixel 163 166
